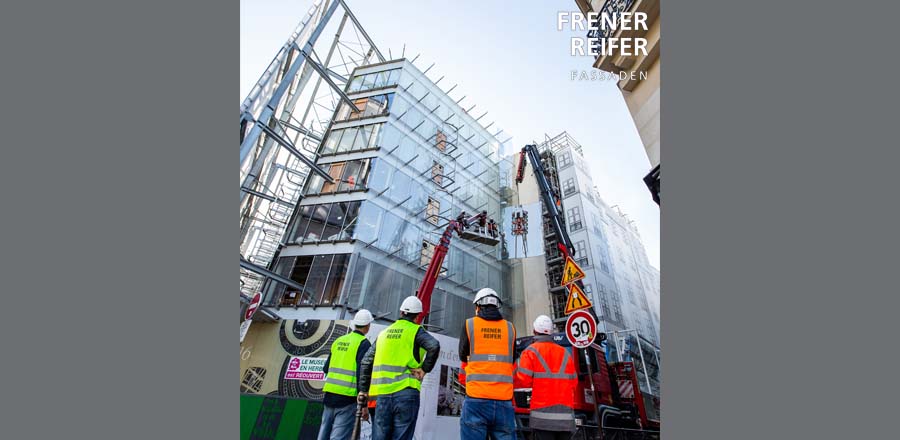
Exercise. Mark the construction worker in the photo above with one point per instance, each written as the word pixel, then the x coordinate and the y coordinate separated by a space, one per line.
pixel 462 220
pixel 392 371
pixel 549 370
pixel 486 349
pixel 340 379
pixel 492 228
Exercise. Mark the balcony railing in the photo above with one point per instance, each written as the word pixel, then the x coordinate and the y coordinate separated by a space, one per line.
pixel 611 8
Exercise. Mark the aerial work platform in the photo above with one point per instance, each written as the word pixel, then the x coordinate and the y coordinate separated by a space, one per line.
pixel 472 234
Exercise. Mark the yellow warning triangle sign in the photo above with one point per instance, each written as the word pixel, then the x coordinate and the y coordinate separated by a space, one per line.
pixel 571 272
pixel 577 299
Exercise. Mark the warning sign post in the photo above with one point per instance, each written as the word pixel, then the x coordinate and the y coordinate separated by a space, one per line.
pixel 577 299
pixel 571 272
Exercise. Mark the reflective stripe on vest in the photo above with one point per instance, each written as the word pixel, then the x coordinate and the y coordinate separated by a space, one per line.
pixel 341 377
pixel 553 418
pixel 394 358
pixel 548 373
pixel 490 367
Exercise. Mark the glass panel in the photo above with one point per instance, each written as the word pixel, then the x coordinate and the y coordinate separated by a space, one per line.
pixel 375 140
pixel 300 271
pixel 367 222
pixel 317 222
pixel 332 142
pixel 362 140
pixel 378 290
pixel 350 221
pixel 400 186
pixel 335 279
pixel 358 282
pixel 347 140
pixel 368 81
pixel 335 171
pixel 300 223
pixel 379 79
pixel 315 283
pixel 314 185
pixel 380 175
pixel 388 238
pixel 356 84
pixel 350 176
pixel 335 221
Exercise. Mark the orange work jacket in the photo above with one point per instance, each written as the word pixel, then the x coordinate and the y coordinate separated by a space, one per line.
pixel 490 367
pixel 549 370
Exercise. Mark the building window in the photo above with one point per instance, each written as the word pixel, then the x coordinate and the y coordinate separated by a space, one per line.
pixel 581 255
pixel 437 173
pixel 374 80
pixel 426 254
pixel 565 160
pixel 433 211
pixel 322 277
pixel 345 140
pixel 377 105
pixel 324 222
pixel 569 187
pixel 348 176
pixel 441 141
pixel 574 216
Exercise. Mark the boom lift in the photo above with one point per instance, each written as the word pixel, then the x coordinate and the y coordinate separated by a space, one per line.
pixel 437 260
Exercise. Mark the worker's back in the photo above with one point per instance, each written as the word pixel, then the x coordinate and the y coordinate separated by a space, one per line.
pixel 554 387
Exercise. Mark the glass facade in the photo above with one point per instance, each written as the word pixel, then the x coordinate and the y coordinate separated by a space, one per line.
pixel 405 158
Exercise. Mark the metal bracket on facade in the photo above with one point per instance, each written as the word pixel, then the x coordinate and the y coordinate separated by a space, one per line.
pixel 324 74
pixel 290 147
pixel 271 275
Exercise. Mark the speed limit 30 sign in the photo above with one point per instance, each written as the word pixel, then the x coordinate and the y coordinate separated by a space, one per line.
pixel 581 329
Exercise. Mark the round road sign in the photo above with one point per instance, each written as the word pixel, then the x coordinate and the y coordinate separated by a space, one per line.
pixel 254 304
pixel 581 329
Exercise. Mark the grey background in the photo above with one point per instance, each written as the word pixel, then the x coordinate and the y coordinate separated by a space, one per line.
pixel 119 263
pixel 119 173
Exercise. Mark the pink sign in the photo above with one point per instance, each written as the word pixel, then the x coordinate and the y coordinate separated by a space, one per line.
pixel 305 368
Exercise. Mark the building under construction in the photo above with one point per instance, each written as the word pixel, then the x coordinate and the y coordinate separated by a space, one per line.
pixel 353 162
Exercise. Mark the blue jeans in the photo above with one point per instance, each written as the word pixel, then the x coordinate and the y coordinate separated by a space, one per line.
pixel 337 423
pixel 481 417
pixel 396 415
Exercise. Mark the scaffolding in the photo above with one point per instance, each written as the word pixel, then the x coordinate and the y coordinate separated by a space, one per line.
pixel 283 121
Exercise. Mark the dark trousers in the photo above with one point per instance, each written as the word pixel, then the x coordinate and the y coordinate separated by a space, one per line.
pixel 551 435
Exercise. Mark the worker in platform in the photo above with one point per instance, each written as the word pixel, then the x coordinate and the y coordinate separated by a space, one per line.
pixel 341 389
pixel 482 221
pixel 549 370
pixel 492 228
pixel 462 220
pixel 392 371
pixel 486 349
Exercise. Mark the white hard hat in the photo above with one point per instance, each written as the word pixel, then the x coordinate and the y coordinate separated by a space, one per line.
pixel 543 324
pixel 486 296
pixel 411 305
pixel 363 318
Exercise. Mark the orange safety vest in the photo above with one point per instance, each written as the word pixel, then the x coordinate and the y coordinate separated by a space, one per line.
pixel 490 367
pixel 549 370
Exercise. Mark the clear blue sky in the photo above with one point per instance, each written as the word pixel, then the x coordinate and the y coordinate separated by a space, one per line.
pixel 508 59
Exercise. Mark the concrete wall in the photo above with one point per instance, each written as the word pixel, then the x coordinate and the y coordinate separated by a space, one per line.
pixel 529 274
pixel 643 103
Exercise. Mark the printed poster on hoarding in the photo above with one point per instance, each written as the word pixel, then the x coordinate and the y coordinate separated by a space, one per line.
pixel 305 368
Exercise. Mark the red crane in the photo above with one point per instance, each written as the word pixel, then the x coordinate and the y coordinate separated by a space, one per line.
pixel 437 260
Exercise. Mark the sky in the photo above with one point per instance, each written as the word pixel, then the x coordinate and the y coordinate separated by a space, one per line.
pixel 509 59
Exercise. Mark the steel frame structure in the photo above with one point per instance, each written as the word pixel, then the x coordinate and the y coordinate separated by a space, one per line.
pixel 284 119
